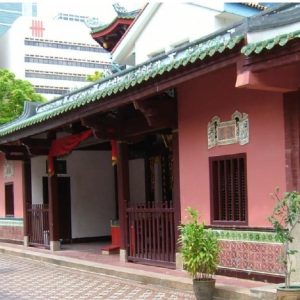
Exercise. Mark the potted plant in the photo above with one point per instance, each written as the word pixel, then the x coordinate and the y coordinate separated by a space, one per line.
pixel 200 253
pixel 285 218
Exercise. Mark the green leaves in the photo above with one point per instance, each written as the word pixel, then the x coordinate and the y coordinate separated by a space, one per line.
pixel 285 217
pixel 13 93
pixel 97 75
pixel 199 247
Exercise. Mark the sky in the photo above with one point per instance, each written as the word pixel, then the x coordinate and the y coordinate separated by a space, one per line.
pixel 101 9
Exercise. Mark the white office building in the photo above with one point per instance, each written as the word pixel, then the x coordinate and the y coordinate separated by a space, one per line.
pixel 11 11
pixel 55 55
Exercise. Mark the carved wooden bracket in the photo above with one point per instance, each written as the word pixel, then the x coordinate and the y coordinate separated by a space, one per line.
pixel 158 111
pixel 103 126
pixel 129 121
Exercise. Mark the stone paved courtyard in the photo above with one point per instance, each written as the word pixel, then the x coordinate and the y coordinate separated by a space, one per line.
pixel 22 278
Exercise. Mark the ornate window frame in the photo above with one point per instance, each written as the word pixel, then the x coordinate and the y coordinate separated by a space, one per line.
pixel 8 169
pixel 229 132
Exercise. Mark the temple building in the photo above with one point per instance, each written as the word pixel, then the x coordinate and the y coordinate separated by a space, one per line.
pixel 211 122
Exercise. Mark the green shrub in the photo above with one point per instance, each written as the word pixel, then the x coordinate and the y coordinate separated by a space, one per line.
pixel 199 247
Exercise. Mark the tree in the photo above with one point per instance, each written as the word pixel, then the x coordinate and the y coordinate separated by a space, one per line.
pixel 13 93
pixel 97 75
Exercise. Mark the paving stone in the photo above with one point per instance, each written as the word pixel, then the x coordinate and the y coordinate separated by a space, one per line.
pixel 22 278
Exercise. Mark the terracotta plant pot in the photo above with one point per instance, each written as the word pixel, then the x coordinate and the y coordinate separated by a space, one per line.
pixel 204 289
pixel 291 293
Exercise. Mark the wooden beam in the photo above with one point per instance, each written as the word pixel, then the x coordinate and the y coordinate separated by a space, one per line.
pixel 278 79
pixel 98 146
pixel 128 122
pixel 289 54
pixel 36 142
pixel 13 149
pixel 37 146
pixel 36 151
pixel 21 157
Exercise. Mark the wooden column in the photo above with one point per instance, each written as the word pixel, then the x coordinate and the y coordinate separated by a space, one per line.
pixel 123 194
pixel 27 198
pixel 176 196
pixel 116 193
pixel 53 213
pixel 176 184
pixel 292 140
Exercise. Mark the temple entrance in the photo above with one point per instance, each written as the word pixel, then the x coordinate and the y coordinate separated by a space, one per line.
pixel 142 194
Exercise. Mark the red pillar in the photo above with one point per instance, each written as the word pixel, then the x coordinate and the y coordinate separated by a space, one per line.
pixel 27 198
pixel 53 213
pixel 123 192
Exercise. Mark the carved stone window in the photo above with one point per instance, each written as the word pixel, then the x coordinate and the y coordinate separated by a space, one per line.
pixel 8 169
pixel 233 131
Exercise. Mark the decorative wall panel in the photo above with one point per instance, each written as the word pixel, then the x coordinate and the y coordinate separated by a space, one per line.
pixel 233 131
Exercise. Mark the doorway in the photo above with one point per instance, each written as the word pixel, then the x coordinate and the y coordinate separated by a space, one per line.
pixel 151 225
pixel 64 206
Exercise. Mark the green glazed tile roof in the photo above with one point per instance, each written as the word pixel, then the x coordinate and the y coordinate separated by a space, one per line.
pixel 281 40
pixel 125 80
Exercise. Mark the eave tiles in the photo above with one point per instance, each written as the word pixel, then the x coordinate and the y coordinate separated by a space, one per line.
pixel 281 40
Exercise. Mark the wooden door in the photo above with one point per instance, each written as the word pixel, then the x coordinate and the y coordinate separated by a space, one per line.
pixel 64 206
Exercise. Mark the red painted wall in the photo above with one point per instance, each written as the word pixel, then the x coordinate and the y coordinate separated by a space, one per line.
pixel 215 94
pixel 17 180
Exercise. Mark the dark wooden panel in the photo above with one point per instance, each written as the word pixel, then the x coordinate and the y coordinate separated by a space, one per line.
pixel 9 200
pixel 152 235
pixel 228 189
pixel 38 224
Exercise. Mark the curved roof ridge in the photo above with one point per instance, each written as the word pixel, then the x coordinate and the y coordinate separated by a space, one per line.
pixel 30 109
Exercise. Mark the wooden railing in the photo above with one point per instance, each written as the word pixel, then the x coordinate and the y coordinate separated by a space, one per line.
pixel 152 233
pixel 38 224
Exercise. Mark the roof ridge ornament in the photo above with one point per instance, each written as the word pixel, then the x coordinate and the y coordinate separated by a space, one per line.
pixel 119 9
pixel 29 110
pixel 93 23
